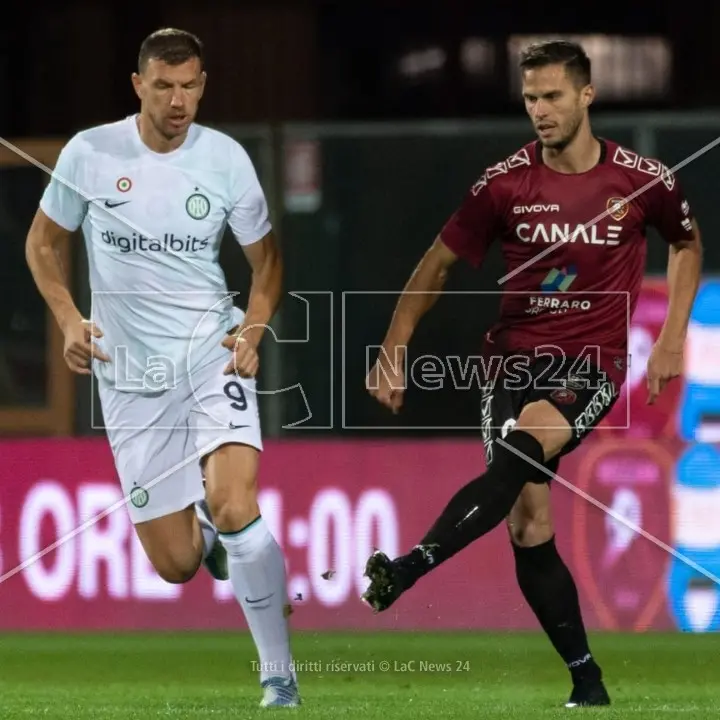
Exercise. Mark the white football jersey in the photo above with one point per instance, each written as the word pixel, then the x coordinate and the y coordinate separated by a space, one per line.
pixel 153 223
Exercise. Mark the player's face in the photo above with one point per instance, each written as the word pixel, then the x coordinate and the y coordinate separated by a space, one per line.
pixel 555 103
pixel 170 95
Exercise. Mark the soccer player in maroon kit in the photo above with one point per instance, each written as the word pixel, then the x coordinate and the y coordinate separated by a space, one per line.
pixel 570 210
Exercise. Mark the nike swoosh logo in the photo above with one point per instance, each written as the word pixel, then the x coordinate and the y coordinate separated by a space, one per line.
pixel 252 602
pixel 109 204
pixel 232 426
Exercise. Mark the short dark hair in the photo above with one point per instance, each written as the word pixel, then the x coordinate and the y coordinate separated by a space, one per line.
pixel 558 52
pixel 171 46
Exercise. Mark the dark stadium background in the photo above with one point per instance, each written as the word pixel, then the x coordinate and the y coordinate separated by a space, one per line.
pixel 367 121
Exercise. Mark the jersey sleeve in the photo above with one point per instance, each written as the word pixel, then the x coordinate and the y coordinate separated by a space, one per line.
pixel 249 216
pixel 667 208
pixel 473 227
pixel 64 201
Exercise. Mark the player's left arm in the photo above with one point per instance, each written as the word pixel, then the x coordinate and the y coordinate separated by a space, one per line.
pixel 671 215
pixel 250 224
pixel 683 275
pixel 265 260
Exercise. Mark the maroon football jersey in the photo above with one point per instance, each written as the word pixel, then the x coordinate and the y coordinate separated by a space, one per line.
pixel 583 237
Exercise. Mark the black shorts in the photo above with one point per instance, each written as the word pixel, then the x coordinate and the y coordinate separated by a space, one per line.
pixel 583 398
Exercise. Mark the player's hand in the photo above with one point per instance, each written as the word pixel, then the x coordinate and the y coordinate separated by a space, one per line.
pixel 79 346
pixel 245 361
pixel 386 382
pixel 664 364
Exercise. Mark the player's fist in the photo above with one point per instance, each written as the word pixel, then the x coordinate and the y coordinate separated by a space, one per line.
pixel 79 348
pixel 663 365
pixel 386 382
pixel 245 361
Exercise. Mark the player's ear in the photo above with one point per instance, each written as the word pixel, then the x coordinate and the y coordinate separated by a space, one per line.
pixel 203 80
pixel 587 95
pixel 137 85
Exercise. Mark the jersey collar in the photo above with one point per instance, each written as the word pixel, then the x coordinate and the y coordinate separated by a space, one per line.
pixel 601 161
pixel 137 140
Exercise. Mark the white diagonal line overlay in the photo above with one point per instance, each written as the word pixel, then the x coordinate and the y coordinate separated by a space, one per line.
pixel 94 520
pixel 113 213
pixel 614 515
pixel 41 166
pixel 67 183
pixel 121 503
pixel 596 220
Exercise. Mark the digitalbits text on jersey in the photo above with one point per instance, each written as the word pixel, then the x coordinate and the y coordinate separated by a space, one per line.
pixel 169 243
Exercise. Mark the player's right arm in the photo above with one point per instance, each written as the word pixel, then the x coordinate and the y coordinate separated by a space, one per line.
pixel 467 234
pixel 61 212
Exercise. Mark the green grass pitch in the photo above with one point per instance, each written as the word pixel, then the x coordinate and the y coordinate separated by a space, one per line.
pixel 386 676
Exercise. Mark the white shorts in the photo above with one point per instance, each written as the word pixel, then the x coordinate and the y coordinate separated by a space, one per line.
pixel 158 440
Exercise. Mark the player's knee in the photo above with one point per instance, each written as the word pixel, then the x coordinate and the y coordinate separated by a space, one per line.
pixel 530 520
pixel 547 425
pixel 176 575
pixel 232 506
pixel 231 487
pixel 176 569
pixel 234 514
pixel 528 531
pixel 170 547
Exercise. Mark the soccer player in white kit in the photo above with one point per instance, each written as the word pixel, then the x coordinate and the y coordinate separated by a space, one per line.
pixel 174 360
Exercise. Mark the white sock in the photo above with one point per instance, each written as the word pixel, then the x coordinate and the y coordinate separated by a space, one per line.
pixel 257 574
pixel 208 530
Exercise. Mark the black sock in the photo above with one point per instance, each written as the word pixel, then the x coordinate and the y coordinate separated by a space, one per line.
pixel 550 591
pixel 478 507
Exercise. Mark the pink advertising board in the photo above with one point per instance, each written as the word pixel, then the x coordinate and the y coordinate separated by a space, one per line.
pixel 329 504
